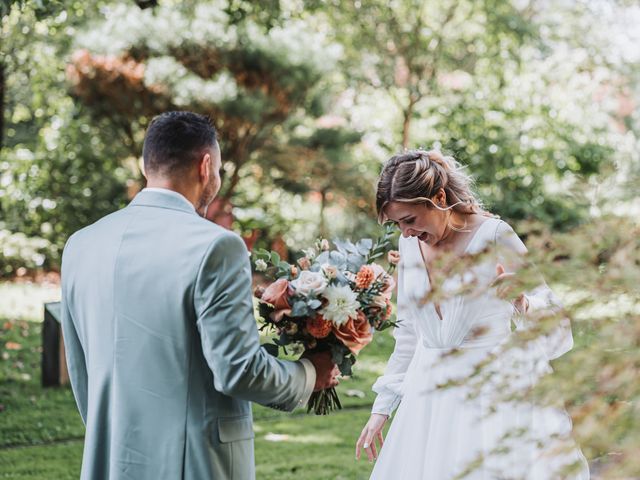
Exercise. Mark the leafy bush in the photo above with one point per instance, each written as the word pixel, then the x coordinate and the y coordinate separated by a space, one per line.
pixel 19 251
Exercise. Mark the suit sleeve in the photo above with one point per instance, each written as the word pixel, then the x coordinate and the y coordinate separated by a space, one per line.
pixel 229 335
pixel 74 351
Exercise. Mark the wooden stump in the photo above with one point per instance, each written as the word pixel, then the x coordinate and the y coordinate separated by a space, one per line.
pixel 54 361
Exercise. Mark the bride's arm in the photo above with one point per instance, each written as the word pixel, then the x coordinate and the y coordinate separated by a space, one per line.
pixel 388 386
pixel 540 301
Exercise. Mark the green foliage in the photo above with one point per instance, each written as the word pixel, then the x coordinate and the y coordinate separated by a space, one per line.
pixel 504 87
pixel 41 8
pixel 19 251
pixel 249 80
pixel 59 171
pixel 53 190
pixel 307 102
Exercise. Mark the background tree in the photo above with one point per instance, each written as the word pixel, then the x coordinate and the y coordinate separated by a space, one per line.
pixel 59 170
pixel 251 80
pixel 498 84
pixel 405 46
pixel 321 163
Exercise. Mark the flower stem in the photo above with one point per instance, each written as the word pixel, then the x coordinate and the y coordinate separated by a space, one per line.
pixel 324 402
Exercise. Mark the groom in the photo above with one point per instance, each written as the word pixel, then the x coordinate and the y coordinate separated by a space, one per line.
pixel 162 346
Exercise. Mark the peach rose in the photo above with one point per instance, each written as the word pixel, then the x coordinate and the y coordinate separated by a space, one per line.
pixel 330 271
pixel 277 294
pixel 383 314
pixel 389 310
pixel 355 333
pixel 379 301
pixel 304 263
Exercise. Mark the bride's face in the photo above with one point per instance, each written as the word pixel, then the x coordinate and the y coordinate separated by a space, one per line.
pixel 418 220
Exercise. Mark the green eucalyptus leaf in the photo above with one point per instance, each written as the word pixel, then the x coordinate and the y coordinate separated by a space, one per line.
pixel 299 309
pixel 314 304
pixel 271 348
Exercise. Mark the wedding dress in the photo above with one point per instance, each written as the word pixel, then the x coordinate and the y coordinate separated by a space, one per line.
pixel 448 424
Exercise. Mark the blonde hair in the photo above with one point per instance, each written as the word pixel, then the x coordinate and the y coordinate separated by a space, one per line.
pixel 417 175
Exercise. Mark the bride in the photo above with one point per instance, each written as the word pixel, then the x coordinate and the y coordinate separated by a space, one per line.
pixel 445 427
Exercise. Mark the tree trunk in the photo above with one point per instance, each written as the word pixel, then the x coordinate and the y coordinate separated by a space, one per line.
pixel 323 206
pixel 406 122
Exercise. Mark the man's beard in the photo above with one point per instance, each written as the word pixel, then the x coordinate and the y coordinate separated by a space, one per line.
pixel 205 200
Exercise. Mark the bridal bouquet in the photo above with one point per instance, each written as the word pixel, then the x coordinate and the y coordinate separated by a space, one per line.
pixel 331 300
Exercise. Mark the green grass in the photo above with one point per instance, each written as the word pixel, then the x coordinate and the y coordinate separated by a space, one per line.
pixel 55 460
pixel 41 432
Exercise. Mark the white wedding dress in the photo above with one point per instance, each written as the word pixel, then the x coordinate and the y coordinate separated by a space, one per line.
pixel 447 433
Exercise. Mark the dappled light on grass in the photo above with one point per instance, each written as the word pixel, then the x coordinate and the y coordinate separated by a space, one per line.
pixel 24 301
pixel 321 439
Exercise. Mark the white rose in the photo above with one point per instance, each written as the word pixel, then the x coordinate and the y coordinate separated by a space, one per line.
pixel 324 244
pixel 261 265
pixel 309 281
pixel 330 270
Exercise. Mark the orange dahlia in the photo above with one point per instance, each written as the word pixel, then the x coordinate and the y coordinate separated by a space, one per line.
pixel 318 327
pixel 365 277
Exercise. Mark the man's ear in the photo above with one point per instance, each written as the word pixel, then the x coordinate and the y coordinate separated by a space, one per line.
pixel 205 168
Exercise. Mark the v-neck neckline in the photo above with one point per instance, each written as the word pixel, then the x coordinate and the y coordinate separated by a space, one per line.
pixel 436 307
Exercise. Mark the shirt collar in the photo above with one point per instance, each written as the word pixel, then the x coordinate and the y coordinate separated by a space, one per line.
pixel 172 193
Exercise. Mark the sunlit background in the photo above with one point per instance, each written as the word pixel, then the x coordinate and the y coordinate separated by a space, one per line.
pixel 538 98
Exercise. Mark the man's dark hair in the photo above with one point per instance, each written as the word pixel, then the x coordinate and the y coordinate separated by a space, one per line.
pixel 175 141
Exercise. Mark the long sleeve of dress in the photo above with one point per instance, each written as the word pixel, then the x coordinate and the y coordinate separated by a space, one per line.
pixel 542 300
pixel 388 387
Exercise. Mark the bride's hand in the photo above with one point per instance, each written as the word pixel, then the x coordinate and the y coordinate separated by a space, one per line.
pixel 521 303
pixel 371 432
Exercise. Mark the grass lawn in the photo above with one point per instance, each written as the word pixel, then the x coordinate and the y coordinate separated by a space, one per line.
pixel 41 431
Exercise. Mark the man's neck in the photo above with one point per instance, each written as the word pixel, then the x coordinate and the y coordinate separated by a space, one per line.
pixel 187 193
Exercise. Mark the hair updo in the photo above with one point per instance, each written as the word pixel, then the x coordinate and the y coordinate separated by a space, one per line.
pixel 417 175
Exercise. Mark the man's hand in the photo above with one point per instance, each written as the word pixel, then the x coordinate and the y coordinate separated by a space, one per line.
pixel 326 370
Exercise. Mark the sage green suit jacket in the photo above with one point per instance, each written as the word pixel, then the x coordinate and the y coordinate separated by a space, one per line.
pixel 162 345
